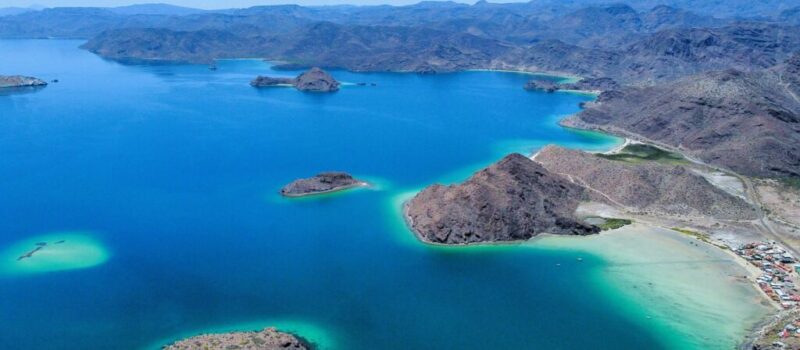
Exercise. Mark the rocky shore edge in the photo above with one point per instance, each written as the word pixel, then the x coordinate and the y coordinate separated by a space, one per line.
pixel 18 81
pixel 716 224
pixel 322 183
pixel 312 80
pixel 267 339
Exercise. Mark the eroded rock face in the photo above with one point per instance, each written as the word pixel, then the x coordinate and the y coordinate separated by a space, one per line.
pixel 513 200
pixel 321 183
pixel 19 81
pixel 314 79
pixel 267 339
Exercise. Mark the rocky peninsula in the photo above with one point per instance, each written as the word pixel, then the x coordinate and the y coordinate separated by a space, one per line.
pixel 267 339
pixel 314 79
pixel 15 81
pixel 326 182
pixel 512 200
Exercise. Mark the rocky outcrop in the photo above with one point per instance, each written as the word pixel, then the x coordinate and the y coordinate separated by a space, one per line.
pixel 592 84
pixel 267 339
pixel 542 85
pixel 512 200
pixel 13 81
pixel 264 81
pixel 748 122
pixel 586 84
pixel 314 79
pixel 646 186
pixel 322 183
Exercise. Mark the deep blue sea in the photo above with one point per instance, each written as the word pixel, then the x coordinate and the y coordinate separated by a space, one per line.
pixel 175 169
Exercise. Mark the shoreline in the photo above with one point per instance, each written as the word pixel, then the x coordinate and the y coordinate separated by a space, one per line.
pixel 594 93
pixel 627 142
pixel 752 272
pixel 334 190
pixel 563 76
pixel 409 222
pixel 320 338
pixel 652 272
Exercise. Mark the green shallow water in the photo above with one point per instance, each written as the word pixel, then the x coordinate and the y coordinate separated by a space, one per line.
pixel 179 168
pixel 63 251
pixel 689 293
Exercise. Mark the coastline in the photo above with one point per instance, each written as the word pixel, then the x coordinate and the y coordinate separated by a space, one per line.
pixel 620 147
pixel 594 93
pixel 660 268
pixel 318 337
pixel 510 248
pixel 564 77
pixel 409 222
pixel 741 336
pixel 338 189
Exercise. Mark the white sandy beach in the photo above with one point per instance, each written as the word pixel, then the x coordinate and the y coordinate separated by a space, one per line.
pixel 695 295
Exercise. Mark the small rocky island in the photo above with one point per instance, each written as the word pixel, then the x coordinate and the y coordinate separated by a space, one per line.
pixel 267 339
pixel 13 81
pixel 322 183
pixel 314 79
pixel 512 200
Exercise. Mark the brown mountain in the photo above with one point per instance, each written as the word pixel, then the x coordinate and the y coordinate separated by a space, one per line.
pixel 514 199
pixel 748 122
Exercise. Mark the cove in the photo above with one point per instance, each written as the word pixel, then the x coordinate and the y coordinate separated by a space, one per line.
pixel 179 167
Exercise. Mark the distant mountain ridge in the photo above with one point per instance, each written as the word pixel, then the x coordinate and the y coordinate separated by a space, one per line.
pixel 11 11
pixel 155 9
pixel 662 56
pixel 636 47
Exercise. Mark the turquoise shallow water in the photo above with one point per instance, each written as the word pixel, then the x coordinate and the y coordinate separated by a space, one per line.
pixel 171 172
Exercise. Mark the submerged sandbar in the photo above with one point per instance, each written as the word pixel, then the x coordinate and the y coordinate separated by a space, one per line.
pixel 56 251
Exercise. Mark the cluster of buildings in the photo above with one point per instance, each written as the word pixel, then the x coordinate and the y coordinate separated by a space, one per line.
pixel 779 269
pixel 791 328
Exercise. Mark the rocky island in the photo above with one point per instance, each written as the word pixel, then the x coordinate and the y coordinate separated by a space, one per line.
pixel 267 339
pixel 322 183
pixel 13 81
pixel 314 79
pixel 512 200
